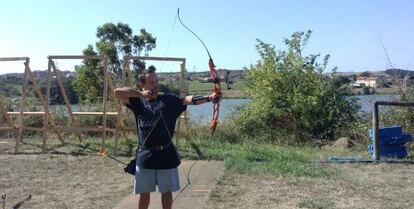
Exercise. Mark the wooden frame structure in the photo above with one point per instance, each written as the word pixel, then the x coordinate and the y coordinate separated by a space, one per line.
pixel 18 129
pixel 49 124
pixel 72 127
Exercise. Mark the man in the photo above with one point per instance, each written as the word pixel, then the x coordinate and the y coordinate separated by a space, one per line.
pixel 156 116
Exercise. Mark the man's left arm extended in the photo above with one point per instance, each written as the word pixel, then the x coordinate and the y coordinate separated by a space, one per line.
pixel 198 100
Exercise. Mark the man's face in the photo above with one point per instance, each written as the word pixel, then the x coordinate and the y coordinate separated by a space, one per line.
pixel 151 83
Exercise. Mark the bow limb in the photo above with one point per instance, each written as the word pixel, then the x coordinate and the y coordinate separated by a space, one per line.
pixel 214 76
pixel 217 90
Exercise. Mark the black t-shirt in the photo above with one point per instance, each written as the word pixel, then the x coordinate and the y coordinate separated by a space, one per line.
pixel 156 121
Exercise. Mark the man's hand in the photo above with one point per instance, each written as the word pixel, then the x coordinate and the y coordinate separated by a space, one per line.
pixel 214 97
pixel 146 94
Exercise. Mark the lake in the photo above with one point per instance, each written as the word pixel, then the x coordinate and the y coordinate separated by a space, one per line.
pixel 367 101
pixel 204 113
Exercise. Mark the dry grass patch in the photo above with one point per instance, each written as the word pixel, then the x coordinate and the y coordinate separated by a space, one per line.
pixel 66 180
pixel 357 186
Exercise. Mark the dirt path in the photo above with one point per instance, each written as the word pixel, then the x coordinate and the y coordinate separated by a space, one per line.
pixel 203 176
pixel 48 181
pixel 357 186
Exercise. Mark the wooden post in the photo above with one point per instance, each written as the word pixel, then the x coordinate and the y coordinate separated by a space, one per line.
pixel 46 105
pixel 128 71
pixel 22 104
pixel 105 102
pixel 3 113
pixel 42 100
pixel 184 92
pixel 65 97
pixel 126 62
pixel 119 123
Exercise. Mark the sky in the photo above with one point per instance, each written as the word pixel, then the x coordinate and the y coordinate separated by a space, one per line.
pixel 353 32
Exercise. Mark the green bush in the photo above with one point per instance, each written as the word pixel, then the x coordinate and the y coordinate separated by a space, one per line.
pixel 365 90
pixel 291 96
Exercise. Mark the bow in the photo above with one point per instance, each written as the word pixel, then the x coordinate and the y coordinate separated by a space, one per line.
pixel 214 75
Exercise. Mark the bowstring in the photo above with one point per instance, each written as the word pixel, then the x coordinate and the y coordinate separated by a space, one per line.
pixel 187 174
pixel 168 42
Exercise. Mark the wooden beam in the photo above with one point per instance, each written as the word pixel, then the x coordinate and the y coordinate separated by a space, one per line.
pixel 74 113
pixel 34 129
pixel 4 128
pixel 65 97
pixel 62 90
pixel 95 113
pixel 25 113
pixel 7 59
pixel 87 57
pixel 128 129
pixel 36 87
pixel 39 94
pixel 77 129
pixel 169 59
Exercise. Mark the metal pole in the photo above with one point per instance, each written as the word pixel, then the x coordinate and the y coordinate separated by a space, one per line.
pixel 3 197
pixel 375 123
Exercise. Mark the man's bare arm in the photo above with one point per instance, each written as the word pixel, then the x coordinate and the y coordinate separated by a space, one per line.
pixel 124 93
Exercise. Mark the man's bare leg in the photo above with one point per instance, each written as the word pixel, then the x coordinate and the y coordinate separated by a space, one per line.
pixel 166 200
pixel 144 200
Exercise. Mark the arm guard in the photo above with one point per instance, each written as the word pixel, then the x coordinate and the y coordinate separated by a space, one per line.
pixel 200 98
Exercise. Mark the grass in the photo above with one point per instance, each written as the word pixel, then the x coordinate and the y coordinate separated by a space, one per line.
pixel 196 87
pixel 237 91
pixel 249 158
pixel 316 204
pixel 262 159
pixel 257 175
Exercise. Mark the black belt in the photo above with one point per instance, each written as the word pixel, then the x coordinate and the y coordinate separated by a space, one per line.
pixel 158 148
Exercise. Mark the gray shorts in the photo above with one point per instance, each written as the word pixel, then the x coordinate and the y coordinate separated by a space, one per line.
pixel 146 180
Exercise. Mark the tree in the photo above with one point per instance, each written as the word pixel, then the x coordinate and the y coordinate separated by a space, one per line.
pixel 56 97
pixel 354 77
pixel 114 41
pixel 365 74
pixel 291 95
pixel 342 80
pixel 89 80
